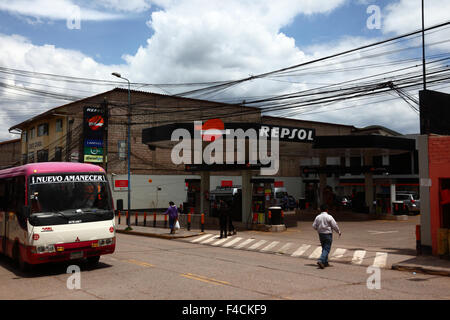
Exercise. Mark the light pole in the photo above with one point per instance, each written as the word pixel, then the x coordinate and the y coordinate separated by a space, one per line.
pixel 129 144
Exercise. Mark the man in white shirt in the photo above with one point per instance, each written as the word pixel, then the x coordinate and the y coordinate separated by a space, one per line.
pixel 325 224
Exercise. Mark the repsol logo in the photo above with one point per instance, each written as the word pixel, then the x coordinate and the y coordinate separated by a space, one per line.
pixel 287 133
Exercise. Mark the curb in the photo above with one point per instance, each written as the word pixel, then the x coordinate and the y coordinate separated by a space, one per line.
pixel 155 235
pixel 426 270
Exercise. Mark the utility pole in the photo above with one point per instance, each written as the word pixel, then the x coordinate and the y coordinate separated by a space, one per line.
pixel 105 133
pixel 423 48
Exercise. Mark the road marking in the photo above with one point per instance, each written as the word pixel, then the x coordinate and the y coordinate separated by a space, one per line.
pixel 358 256
pixel 204 279
pixel 316 253
pixel 381 232
pixel 220 241
pixel 243 244
pixel 380 259
pixel 300 250
pixel 285 248
pixel 140 263
pixel 201 238
pixel 230 243
pixel 210 239
pixel 338 253
pixel 270 246
pixel 256 245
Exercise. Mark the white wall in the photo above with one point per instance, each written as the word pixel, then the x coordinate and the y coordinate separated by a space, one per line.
pixel 145 194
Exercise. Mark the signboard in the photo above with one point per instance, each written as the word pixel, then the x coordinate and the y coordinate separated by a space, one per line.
pixel 95 151
pixel 91 158
pixel 226 183
pixel 278 184
pixel 67 178
pixel 121 183
pixel 94 123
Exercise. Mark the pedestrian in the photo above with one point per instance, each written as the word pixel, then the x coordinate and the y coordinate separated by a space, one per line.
pixel 172 211
pixel 223 218
pixel 325 224
pixel 231 228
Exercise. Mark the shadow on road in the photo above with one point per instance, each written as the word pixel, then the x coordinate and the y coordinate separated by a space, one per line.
pixel 49 269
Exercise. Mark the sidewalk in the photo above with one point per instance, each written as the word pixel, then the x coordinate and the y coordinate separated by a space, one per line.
pixel 425 264
pixel 401 262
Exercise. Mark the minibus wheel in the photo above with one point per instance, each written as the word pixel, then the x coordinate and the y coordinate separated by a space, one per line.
pixel 18 261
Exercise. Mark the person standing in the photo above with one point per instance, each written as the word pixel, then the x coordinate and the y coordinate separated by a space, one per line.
pixel 223 218
pixel 325 225
pixel 172 211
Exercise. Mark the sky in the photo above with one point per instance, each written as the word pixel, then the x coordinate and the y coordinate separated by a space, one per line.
pixel 185 41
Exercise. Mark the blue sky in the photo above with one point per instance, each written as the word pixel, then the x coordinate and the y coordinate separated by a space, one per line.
pixel 179 41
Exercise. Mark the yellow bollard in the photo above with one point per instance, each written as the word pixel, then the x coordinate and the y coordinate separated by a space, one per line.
pixel 443 241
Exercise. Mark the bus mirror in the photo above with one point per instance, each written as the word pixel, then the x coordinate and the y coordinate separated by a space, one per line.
pixel 26 211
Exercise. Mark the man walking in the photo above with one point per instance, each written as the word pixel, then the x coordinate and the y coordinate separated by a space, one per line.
pixel 325 224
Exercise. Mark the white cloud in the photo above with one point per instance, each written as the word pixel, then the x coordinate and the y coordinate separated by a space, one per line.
pixel 55 10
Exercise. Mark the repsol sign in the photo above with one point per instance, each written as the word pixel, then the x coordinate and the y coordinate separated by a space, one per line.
pixel 287 133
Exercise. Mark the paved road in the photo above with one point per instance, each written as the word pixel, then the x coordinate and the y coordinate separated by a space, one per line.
pixel 152 268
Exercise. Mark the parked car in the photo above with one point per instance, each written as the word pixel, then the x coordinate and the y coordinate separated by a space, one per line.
pixel 411 200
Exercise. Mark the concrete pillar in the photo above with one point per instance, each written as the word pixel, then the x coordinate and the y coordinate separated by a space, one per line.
pixel 204 187
pixel 425 184
pixel 246 196
pixel 393 197
pixel 368 184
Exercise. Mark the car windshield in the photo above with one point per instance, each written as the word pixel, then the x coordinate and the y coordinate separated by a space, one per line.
pixel 68 193
pixel 403 196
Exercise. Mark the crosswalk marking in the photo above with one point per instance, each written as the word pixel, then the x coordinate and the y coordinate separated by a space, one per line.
pixel 220 241
pixel 358 256
pixel 266 246
pixel 300 250
pixel 285 248
pixel 270 246
pixel 380 260
pixel 230 243
pixel 201 238
pixel 256 245
pixel 243 244
pixel 316 253
pixel 209 240
pixel 338 253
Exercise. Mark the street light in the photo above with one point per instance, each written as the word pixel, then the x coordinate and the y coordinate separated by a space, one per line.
pixel 129 144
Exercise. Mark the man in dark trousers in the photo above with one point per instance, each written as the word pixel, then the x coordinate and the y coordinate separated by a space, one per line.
pixel 223 218
pixel 325 224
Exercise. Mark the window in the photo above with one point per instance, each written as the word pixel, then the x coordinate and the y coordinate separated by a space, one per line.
pixel 32 133
pixel 58 154
pixel 24 158
pixel 42 130
pixel 59 125
pixel 42 156
pixel 31 157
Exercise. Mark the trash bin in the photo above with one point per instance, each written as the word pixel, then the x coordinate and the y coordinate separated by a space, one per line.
pixel 276 215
